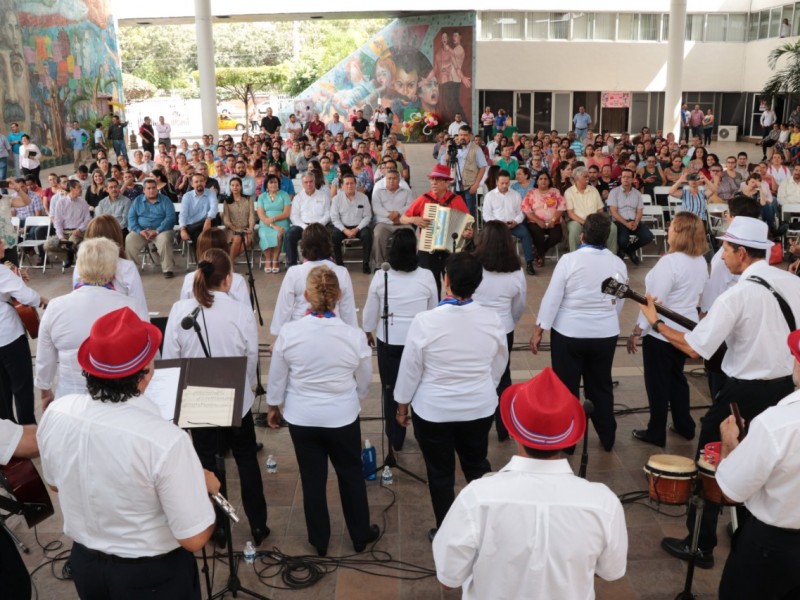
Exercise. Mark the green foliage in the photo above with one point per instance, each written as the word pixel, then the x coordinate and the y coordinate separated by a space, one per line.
pixel 136 89
pixel 242 83
pixel 787 79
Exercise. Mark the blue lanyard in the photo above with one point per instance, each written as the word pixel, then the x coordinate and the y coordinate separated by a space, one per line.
pixel 454 301
pixel 80 284
pixel 328 314
pixel 591 246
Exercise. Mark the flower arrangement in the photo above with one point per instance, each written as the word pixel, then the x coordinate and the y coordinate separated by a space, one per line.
pixel 419 124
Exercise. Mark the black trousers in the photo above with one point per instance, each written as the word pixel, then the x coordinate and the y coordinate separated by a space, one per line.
pixel 762 564
pixel 590 359
pixel 505 382
pixel 365 235
pixel 544 239
pixel 194 230
pixel 102 577
pixel 242 443
pixel 14 576
pixel 434 262
pixel 313 446
pixel 389 356
pixel 753 398
pixel 16 382
pixel 667 389
pixel 440 442
pixel 293 236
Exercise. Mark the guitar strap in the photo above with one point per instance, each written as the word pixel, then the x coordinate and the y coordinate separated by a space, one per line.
pixel 446 203
pixel 10 505
pixel 787 312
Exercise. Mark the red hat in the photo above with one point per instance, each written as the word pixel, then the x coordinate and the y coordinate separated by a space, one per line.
pixel 119 344
pixel 542 413
pixel 794 343
pixel 441 172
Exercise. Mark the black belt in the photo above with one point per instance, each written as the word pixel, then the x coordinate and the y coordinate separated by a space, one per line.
pixel 123 560
pixel 776 528
pixel 776 380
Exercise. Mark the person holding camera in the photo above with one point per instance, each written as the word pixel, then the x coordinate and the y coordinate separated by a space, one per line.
pixel 693 198
pixel 469 162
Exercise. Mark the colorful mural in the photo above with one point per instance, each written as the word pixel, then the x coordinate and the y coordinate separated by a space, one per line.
pixel 59 62
pixel 421 68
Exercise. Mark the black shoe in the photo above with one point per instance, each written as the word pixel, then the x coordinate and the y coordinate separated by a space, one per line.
pixel 259 533
pixel 681 549
pixel 321 550
pixel 432 534
pixel 641 435
pixel 529 268
pixel 168 275
pixel 374 534
pixel 219 536
pixel 259 446
pixel 634 258
pixel 502 436
pixel 683 435
pixel 366 270
pixel 66 570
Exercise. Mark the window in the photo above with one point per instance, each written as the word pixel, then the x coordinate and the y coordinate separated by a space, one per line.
pixel 763 25
pixel 796 21
pixel 665 28
pixel 604 24
pixel 502 25
pixel 513 26
pixel 538 24
pixel 715 28
pixel 753 27
pixel 491 28
pixel 580 26
pixel 559 26
pixel 737 28
pixel 787 14
pixel 774 22
pixel 648 27
pixel 625 27
pixel 694 28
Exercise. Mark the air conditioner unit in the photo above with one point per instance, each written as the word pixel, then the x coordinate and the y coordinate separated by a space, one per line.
pixel 727 133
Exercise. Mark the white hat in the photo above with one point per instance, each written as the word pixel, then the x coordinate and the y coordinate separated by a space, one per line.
pixel 747 231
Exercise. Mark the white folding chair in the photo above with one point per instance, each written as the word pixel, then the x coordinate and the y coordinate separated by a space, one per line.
pixel 789 212
pixel 33 244
pixel 717 217
pixel 653 216
pixel 646 199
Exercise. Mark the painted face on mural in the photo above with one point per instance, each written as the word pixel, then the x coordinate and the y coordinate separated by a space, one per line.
pixel 406 84
pixel 429 90
pixel 13 72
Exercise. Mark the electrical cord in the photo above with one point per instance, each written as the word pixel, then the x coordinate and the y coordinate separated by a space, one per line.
pixel 53 552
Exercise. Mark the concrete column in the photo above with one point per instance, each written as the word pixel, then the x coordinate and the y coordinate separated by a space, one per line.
pixel 672 95
pixel 205 66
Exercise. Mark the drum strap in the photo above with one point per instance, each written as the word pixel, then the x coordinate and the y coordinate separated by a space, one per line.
pixel 787 312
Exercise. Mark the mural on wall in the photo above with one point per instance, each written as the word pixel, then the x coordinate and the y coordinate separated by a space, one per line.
pixel 420 68
pixel 59 62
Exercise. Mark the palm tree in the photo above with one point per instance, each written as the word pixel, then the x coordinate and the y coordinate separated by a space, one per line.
pixel 787 80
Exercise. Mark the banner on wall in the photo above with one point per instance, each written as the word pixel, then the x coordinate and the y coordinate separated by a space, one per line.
pixel 615 100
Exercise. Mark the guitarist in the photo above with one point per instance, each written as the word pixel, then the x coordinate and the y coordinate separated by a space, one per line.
pixel 16 372
pixel 751 319
pixel 15 441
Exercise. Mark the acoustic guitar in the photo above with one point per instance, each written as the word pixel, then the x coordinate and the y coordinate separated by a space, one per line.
pixel 28 314
pixel 21 479
pixel 612 287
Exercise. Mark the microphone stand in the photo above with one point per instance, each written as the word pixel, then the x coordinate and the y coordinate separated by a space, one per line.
pixel 455 241
pixel 234 584
pixel 389 460
pixel 588 408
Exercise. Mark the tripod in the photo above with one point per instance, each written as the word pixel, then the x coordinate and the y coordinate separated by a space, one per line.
pixel 389 460
pixel 234 584
pixel 699 504
pixel 588 408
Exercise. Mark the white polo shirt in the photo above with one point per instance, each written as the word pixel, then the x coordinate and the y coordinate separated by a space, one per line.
pixel 503 207
pixel 504 293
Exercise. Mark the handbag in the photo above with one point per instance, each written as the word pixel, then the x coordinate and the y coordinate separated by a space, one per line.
pixel 776 255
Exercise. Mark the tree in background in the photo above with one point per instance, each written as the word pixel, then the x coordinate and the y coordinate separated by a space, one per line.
pixel 786 80
pixel 241 83
pixel 136 88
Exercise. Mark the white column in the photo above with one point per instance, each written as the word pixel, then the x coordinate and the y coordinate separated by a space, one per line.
pixel 205 66
pixel 672 93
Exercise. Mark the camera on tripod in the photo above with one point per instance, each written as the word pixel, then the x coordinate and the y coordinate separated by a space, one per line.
pixel 452 150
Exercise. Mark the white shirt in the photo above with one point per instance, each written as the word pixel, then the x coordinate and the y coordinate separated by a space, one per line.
pixel 163 130
pixel 380 184
pixel 503 207
pixel 311 209
pixel 64 326
pixel 26 161
pixel 455 127
pixel 532 531
pixel 10 436
pixel 229 329
pixel 408 293
pixel 452 362
pixel 505 294
pixel 720 280
pixel 127 281
pixel 129 483
pixel 239 290
pixel 762 470
pixel 350 212
pixel 779 174
pixel 677 280
pixel 291 305
pixel 319 371
pixel 789 192
pixel 574 304
pixel 749 320
pixel 384 202
pixel 12 286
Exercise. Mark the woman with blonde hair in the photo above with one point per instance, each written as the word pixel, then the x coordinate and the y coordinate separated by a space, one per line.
pixel 97 190
pixel 677 280
pixel 229 329
pixel 320 370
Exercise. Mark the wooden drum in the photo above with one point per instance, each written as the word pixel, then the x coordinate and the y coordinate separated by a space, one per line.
pixel 669 478
pixel 708 477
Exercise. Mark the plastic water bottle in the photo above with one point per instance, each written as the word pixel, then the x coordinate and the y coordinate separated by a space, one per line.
pixel 249 553
pixel 386 477
pixel 272 464
pixel 368 461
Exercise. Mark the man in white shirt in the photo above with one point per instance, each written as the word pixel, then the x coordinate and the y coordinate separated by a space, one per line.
pixel 520 533
pixel 336 126
pixel 505 205
pixel 749 319
pixel 351 216
pixel 789 189
pixel 455 126
pixel 293 127
pixel 583 200
pixel 763 472
pixel 388 205
pixel 164 131
pixel 767 120
pixel 309 206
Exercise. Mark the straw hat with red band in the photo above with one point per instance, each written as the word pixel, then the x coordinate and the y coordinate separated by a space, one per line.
pixel 119 345
pixel 441 172
pixel 794 343
pixel 542 413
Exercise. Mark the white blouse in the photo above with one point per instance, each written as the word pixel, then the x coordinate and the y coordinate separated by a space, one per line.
pixel 128 282
pixel 12 286
pixel 239 289
pixel 504 293
pixel 409 293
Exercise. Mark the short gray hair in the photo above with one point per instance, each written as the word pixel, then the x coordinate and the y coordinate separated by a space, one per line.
pixel 577 172
pixel 97 261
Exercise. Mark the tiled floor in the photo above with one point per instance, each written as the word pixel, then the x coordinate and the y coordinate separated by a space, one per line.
pixel 404 511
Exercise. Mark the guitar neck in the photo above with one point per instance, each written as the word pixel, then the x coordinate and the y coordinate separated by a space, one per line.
pixel 663 311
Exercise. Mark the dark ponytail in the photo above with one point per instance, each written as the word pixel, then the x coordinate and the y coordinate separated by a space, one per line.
pixel 212 269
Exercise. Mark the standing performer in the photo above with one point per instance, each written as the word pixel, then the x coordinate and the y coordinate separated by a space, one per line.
pixel 584 322
pixel 749 319
pixel 230 329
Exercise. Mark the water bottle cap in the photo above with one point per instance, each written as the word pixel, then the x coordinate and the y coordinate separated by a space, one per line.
pixel 367 444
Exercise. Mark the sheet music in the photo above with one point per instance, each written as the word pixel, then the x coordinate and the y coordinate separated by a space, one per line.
pixel 163 391
pixel 206 407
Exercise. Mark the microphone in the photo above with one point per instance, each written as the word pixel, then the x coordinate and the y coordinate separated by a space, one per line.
pixel 188 321
pixel 385 267
pixel 454 236
pixel 588 407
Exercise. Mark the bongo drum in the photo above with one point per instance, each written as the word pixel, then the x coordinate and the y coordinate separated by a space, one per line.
pixel 708 477
pixel 669 478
